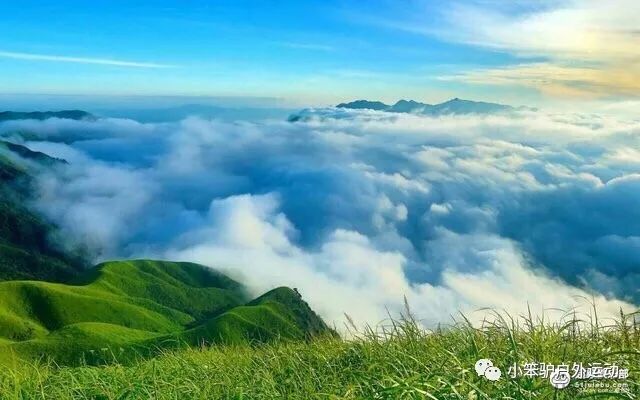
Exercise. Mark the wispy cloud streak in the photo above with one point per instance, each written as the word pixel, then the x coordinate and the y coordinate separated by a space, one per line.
pixel 81 60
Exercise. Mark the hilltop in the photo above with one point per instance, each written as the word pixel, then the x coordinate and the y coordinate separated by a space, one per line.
pixel 142 306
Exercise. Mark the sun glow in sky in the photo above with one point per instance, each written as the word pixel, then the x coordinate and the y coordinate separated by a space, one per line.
pixel 320 52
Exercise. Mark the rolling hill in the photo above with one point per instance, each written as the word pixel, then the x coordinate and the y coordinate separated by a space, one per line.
pixel 133 308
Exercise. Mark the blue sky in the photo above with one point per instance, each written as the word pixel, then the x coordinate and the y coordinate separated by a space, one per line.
pixel 315 52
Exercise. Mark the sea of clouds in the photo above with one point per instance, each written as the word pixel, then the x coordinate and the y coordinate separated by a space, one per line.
pixel 360 209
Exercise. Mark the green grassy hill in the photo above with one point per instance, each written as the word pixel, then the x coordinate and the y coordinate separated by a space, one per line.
pixel 133 308
pixel 278 313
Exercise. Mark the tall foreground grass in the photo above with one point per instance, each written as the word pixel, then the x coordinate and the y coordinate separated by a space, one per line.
pixel 399 361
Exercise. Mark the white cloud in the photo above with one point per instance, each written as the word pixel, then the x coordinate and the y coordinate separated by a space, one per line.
pixel 359 209
pixel 586 30
pixel 349 275
pixel 80 60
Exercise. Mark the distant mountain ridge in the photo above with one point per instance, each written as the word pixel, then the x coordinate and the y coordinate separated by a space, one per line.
pixel 453 106
pixel 42 115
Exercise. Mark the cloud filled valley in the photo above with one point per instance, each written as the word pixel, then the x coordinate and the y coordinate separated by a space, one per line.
pixel 359 209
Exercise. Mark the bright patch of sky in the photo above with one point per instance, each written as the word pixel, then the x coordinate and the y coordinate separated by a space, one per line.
pixel 323 52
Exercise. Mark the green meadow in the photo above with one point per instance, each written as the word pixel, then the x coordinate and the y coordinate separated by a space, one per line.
pixel 402 361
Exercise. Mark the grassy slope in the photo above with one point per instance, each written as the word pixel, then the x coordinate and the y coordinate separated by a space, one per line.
pixel 404 363
pixel 141 305
pixel 259 321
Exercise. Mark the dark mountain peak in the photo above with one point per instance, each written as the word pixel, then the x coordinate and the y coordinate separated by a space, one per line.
pixel 364 104
pixel 405 102
pixel 408 106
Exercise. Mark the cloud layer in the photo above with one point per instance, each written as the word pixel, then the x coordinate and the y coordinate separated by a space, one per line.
pixel 359 209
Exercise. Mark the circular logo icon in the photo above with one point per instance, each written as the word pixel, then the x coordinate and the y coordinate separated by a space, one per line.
pixel 560 379
pixel 492 373
pixel 482 365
